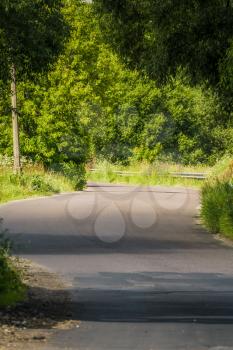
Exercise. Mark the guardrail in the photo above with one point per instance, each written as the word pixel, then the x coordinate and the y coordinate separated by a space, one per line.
pixel 187 175
pixel 199 176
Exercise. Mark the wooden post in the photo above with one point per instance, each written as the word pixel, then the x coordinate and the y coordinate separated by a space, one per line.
pixel 15 124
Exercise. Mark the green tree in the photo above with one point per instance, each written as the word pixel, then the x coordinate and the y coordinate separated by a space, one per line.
pixel 162 38
pixel 31 36
pixel 159 36
pixel 92 105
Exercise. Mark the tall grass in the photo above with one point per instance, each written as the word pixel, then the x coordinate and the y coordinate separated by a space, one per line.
pixel 34 181
pixel 217 199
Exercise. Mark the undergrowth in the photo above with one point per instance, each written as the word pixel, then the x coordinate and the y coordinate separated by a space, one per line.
pixel 217 199
pixel 12 290
pixel 33 181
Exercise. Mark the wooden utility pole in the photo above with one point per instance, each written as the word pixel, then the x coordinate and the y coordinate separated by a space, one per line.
pixel 15 124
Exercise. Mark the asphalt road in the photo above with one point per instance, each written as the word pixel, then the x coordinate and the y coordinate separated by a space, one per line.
pixel 144 274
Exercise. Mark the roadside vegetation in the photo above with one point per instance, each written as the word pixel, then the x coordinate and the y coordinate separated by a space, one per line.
pixel 145 173
pixel 12 289
pixel 34 181
pixel 97 100
pixel 217 199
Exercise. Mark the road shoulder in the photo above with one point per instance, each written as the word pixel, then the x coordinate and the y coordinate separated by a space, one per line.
pixel 47 309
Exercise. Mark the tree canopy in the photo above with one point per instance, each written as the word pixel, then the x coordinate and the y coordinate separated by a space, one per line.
pixel 32 34
pixel 159 36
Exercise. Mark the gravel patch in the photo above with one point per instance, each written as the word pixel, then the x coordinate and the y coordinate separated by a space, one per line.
pixel 46 309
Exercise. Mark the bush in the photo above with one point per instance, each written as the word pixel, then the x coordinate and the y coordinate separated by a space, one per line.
pixel 35 183
pixel 12 289
pixel 217 201
pixel 75 173
pixel 39 184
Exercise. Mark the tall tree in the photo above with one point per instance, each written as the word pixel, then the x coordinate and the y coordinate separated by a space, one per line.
pixel 159 36
pixel 32 34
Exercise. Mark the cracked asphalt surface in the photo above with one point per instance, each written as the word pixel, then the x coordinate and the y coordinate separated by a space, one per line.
pixel 143 272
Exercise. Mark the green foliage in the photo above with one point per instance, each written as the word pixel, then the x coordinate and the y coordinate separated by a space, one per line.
pixel 35 181
pixel 52 117
pixel 77 175
pixel 144 173
pixel 217 199
pixel 226 86
pixel 90 104
pixel 38 184
pixel 12 289
pixel 192 121
pixel 31 35
pixel 5 243
pixel 185 46
pixel 222 169
pixel 217 208
pixel 160 36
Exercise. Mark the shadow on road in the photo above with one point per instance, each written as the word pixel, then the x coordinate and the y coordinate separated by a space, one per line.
pixel 132 297
pixel 141 306
pixel 154 297
pixel 46 244
pixel 127 306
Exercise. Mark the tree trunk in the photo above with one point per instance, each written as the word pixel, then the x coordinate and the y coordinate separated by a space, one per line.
pixel 16 148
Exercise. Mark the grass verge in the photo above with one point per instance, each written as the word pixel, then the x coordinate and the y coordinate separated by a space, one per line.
pixel 217 199
pixel 34 181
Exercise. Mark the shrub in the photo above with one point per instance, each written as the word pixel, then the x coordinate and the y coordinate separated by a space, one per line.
pixel 39 184
pixel 75 173
pixel 217 201
pixel 12 289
